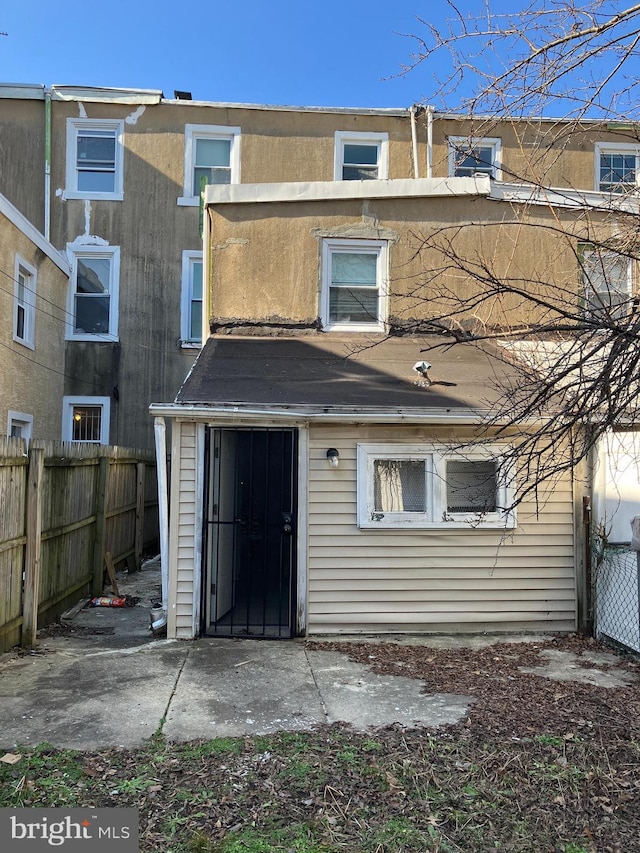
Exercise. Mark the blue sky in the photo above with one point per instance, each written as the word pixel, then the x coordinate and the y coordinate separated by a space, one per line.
pixel 326 53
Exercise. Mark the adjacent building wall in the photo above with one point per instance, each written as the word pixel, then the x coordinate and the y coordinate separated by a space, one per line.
pixel 32 376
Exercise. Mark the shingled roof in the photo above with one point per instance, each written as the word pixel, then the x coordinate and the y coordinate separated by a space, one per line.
pixel 325 372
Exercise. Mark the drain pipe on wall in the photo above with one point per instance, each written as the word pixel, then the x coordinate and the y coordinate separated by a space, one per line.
pixel 160 431
pixel 414 140
pixel 429 112
pixel 47 163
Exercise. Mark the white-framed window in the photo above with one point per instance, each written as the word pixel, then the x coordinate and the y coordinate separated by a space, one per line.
pixel 469 156
pixel 617 167
pixel 24 303
pixel 361 156
pixel 95 159
pixel 93 293
pixel 607 279
pixel 191 300
pixel 20 425
pixel 433 486
pixel 86 419
pixel 354 284
pixel 211 156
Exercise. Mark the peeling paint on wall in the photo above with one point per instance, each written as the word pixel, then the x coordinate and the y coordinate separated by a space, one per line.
pixel 135 115
pixel 81 110
pixel 232 241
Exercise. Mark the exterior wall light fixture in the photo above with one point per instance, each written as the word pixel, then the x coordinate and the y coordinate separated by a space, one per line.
pixel 332 457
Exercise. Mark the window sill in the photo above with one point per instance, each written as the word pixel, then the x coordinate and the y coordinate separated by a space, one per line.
pixel 188 201
pixel 28 344
pixel 355 328
pixel 457 524
pixel 73 194
pixel 98 339
pixel 189 345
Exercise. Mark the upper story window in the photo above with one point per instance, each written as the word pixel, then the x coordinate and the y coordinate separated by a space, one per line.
pixel 414 486
pixel 361 156
pixel 607 279
pixel 86 419
pixel 191 302
pixel 468 156
pixel 93 294
pixel 94 159
pixel 24 303
pixel 617 167
pixel 211 156
pixel 354 285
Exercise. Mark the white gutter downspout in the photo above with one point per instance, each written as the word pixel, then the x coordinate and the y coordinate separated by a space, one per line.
pixel 47 164
pixel 206 265
pixel 414 141
pixel 163 512
pixel 429 111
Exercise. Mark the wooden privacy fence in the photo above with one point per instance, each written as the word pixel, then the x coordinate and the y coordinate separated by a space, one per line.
pixel 63 506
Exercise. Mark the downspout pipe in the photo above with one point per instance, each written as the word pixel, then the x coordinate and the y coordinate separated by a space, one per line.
pixel 47 163
pixel 160 431
pixel 414 139
pixel 429 112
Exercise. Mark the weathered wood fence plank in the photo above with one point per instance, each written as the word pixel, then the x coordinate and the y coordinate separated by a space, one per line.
pixel 33 548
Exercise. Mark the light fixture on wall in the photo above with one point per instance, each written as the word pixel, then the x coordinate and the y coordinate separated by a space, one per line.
pixel 332 457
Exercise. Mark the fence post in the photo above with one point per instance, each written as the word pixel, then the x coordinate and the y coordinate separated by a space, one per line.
pixel 32 548
pixel 140 490
pixel 98 545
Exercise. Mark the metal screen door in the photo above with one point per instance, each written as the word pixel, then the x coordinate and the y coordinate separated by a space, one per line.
pixel 250 542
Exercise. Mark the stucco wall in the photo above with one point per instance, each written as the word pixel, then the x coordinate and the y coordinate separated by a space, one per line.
pixel 32 379
pixel 266 256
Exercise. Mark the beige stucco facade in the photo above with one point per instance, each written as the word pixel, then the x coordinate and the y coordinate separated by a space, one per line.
pixel 32 359
pixel 264 256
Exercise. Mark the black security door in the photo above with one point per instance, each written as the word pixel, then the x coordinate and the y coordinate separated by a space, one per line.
pixel 250 512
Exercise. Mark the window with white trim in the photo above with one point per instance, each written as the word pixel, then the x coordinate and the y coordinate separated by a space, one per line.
pixel 361 156
pixel 354 284
pixel 24 303
pixel 469 156
pixel 433 486
pixel 95 159
pixel 191 301
pixel 20 425
pixel 93 293
pixel 211 156
pixel 86 419
pixel 617 167
pixel 607 279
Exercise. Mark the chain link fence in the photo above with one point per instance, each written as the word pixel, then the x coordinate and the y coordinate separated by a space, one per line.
pixel 616 588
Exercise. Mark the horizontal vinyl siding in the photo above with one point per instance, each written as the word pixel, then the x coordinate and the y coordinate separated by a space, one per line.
pixel 186 531
pixel 431 580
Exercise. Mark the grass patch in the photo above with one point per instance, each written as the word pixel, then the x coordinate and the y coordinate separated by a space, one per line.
pixel 333 790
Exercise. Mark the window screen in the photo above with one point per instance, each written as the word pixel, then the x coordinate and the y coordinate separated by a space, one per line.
pixel 471 486
pixel 399 485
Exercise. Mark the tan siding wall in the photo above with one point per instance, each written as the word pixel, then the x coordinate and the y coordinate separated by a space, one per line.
pixel 431 580
pixel 186 539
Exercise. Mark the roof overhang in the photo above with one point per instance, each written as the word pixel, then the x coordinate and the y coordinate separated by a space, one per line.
pixel 215 194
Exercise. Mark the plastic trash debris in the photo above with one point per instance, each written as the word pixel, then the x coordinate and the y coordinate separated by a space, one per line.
pixel 108 601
